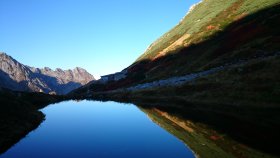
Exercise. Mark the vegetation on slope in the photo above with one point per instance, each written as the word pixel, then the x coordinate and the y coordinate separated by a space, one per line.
pixel 192 23
pixel 206 18
pixel 243 85
pixel 218 44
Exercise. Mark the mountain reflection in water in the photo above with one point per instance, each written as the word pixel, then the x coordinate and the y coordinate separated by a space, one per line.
pixel 213 135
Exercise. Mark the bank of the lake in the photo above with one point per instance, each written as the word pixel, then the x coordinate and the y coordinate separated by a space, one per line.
pixel 19 114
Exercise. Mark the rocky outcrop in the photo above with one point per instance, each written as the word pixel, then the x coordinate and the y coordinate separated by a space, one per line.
pixel 19 77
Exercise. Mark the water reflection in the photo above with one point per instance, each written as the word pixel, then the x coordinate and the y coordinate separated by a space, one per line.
pixel 208 135
pixel 95 129
pixel 99 129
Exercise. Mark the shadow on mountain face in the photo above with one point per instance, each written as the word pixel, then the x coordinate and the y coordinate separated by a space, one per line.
pixel 54 85
pixel 7 82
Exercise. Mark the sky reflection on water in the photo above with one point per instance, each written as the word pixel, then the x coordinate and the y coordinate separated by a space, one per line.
pixel 95 129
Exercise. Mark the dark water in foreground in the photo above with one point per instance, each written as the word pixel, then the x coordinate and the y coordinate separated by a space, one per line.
pixel 94 129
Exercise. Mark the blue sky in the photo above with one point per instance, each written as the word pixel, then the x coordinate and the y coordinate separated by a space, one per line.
pixel 101 36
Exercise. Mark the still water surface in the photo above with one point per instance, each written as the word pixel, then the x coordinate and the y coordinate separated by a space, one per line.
pixel 90 129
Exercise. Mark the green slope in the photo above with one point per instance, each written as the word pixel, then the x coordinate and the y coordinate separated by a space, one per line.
pixel 218 13
pixel 213 34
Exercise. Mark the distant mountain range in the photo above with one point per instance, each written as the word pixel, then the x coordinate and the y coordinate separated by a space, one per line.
pixel 19 77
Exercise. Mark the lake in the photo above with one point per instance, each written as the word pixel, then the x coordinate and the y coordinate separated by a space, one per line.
pixel 98 129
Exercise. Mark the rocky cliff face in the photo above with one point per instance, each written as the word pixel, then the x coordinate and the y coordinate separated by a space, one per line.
pixel 19 77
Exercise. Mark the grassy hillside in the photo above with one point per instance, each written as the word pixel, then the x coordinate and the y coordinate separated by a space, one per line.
pixel 215 33
pixel 240 31
pixel 191 24
pixel 206 18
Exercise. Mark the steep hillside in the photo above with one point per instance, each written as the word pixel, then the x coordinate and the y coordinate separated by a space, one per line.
pixel 19 77
pixel 203 19
pixel 213 33
pixel 239 37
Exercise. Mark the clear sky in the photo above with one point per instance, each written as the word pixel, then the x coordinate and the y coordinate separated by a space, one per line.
pixel 102 36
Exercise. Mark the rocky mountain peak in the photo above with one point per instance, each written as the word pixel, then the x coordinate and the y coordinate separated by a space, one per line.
pixel 47 69
pixel 16 76
pixel 59 70
pixel 3 54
